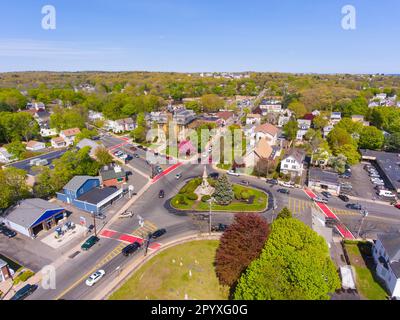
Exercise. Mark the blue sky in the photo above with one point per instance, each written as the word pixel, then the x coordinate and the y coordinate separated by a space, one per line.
pixel 201 35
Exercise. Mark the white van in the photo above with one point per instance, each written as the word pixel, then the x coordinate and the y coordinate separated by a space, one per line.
pixel 386 193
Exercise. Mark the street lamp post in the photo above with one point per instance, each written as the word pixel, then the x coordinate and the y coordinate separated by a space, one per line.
pixel 209 215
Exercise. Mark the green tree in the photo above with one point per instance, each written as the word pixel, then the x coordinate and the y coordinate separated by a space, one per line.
pixel 44 186
pixel 392 142
pixel 294 264
pixel 319 122
pixel 339 137
pixel 85 134
pixel 285 213
pixel 350 152
pixel 371 138
pixel 103 156
pixel 290 130
pixel 223 191
pixel 298 108
pixel 212 103
pixel 13 186
pixel 16 148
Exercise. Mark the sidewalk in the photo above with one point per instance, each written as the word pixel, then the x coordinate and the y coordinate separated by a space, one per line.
pixel 136 264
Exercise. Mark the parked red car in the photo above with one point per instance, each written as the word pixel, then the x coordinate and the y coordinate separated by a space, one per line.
pixel 397 205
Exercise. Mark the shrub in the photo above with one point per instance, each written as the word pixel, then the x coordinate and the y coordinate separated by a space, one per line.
pixel 192 196
pixel 205 198
pixel 23 276
pixel 245 195
pixel 180 200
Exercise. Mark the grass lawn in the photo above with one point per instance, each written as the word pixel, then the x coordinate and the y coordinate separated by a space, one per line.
pixel 167 275
pixel 259 202
pixel 368 284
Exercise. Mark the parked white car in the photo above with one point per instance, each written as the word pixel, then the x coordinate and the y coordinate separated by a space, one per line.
pixel 95 277
pixel 386 193
pixel 318 199
pixel 233 173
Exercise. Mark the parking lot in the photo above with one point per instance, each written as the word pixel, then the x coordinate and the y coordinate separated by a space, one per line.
pixel 362 186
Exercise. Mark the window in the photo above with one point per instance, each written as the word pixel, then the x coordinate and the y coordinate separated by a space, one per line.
pixel 294 167
pixel 286 166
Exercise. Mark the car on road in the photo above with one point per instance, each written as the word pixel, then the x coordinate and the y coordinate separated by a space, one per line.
pixel 354 206
pixel 233 173
pixel 219 227
pixel 158 233
pixel 161 194
pixel 159 169
pixel 90 242
pixel 178 176
pixel 320 200
pixel 284 191
pixel 287 185
pixel 94 278
pixel 326 194
pixel 205 155
pixel 272 181
pixel 130 249
pixel 245 183
pixel 344 198
pixel 24 292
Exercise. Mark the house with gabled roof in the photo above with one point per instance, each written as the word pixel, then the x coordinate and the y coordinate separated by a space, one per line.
pixel 292 162
pixel 30 216
pixel 69 135
pixel 386 253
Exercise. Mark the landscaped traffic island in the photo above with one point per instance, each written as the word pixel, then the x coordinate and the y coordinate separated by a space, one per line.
pixel 243 199
pixel 185 271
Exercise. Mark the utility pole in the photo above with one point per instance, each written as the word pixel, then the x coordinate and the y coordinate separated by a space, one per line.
pixel 94 223
pixel 364 215
pixel 147 243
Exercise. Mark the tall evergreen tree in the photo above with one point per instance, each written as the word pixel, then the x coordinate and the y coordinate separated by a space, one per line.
pixel 223 191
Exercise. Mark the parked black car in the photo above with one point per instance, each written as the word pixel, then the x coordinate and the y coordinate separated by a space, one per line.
pixel 131 248
pixel 161 194
pixel 272 181
pixel 344 198
pixel 158 233
pixel 7 232
pixel 26 291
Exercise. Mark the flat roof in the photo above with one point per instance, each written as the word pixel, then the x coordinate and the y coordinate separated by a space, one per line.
pixel 317 174
pixel 96 195
pixel 388 162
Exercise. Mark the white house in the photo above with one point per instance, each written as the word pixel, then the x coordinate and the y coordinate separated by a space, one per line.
pixel 336 117
pixel 121 125
pixel 46 132
pixel 69 135
pixel 94 115
pixel 304 125
pixel 35 146
pixel 5 156
pixel 267 131
pixel 292 162
pixel 58 142
pixel 386 253
pixel 253 119
pixel 327 130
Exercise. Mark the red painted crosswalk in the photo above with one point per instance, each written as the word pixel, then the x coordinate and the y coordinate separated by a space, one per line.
pixel 329 213
pixel 166 171
pixel 128 238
